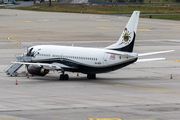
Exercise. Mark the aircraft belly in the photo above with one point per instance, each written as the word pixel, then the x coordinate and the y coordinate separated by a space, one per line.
pixel 103 69
pixel 77 66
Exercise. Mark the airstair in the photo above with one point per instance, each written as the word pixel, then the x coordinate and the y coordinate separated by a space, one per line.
pixel 12 70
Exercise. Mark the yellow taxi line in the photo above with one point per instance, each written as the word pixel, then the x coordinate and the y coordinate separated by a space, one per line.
pixel 17 42
pixel 9 38
pixel 104 119
pixel 3 118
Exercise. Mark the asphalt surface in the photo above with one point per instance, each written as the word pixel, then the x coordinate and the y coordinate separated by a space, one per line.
pixel 141 91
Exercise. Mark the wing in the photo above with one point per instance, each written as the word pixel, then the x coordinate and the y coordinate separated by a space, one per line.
pixel 153 53
pixel 53 66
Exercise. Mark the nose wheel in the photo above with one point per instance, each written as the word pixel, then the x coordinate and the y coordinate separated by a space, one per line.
pixel 64 76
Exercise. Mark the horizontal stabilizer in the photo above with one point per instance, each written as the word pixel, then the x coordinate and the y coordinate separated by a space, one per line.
pixel 121 53
pixel 153 53
pixel 152 59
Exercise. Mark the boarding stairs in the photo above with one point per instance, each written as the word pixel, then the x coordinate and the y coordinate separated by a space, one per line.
pixel 12 70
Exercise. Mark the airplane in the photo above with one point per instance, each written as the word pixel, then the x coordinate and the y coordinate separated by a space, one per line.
pixel 90 61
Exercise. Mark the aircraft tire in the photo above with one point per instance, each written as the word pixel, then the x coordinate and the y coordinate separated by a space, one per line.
pixel 88 76
pixel 61 77
pixel 64 77
pixel 91 76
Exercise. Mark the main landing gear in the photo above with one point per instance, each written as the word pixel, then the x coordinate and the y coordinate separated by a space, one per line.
pixel 66 76
pixel 91 76
pixel 63 76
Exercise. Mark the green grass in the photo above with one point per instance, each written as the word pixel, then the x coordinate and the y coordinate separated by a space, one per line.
pixel 168 17
pixel 105 9
pixel 112 10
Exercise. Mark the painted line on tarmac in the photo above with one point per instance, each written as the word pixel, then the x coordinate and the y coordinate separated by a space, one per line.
pixel 115 119
pixel 175 60
pixel 107 28
pixel 104 119
pixel 145 119
pixel 3 118
pixel 104 28
pixel 9 38
pixel 85 30
pixel 164 74
pixel 102 20
pixel 140 88
pixel 28 21
pixel 59 119
pixel 17 42
pixel 87 99
pixel 144 30
pixel 70 98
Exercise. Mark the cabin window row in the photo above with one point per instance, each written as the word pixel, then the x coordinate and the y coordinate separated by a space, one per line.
pixel 75 57
pixel 47 55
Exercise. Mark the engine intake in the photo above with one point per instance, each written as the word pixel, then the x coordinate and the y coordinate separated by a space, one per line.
pixel 37 70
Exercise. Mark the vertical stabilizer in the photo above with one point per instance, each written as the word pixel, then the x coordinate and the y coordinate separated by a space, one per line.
pixel 127 38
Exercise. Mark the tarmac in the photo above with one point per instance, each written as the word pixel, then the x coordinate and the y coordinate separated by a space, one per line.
pixel 141 91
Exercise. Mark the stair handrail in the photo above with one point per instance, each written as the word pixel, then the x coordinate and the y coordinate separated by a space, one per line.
pixel 8 66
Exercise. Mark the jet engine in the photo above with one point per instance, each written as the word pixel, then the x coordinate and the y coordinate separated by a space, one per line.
pixel 37 70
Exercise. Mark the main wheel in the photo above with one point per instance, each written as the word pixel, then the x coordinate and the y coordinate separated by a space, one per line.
pixel 61 77
pixel 91 76
pixel 88 76
pixel 64 77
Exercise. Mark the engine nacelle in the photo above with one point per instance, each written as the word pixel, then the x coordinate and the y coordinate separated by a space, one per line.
pixel 37 70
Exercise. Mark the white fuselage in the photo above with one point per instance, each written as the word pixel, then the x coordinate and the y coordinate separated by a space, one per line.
pixel 86 60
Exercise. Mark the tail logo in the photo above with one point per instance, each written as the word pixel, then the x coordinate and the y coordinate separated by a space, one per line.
pixel 126 36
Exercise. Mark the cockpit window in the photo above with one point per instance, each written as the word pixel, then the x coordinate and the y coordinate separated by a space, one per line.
pixel 29 53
